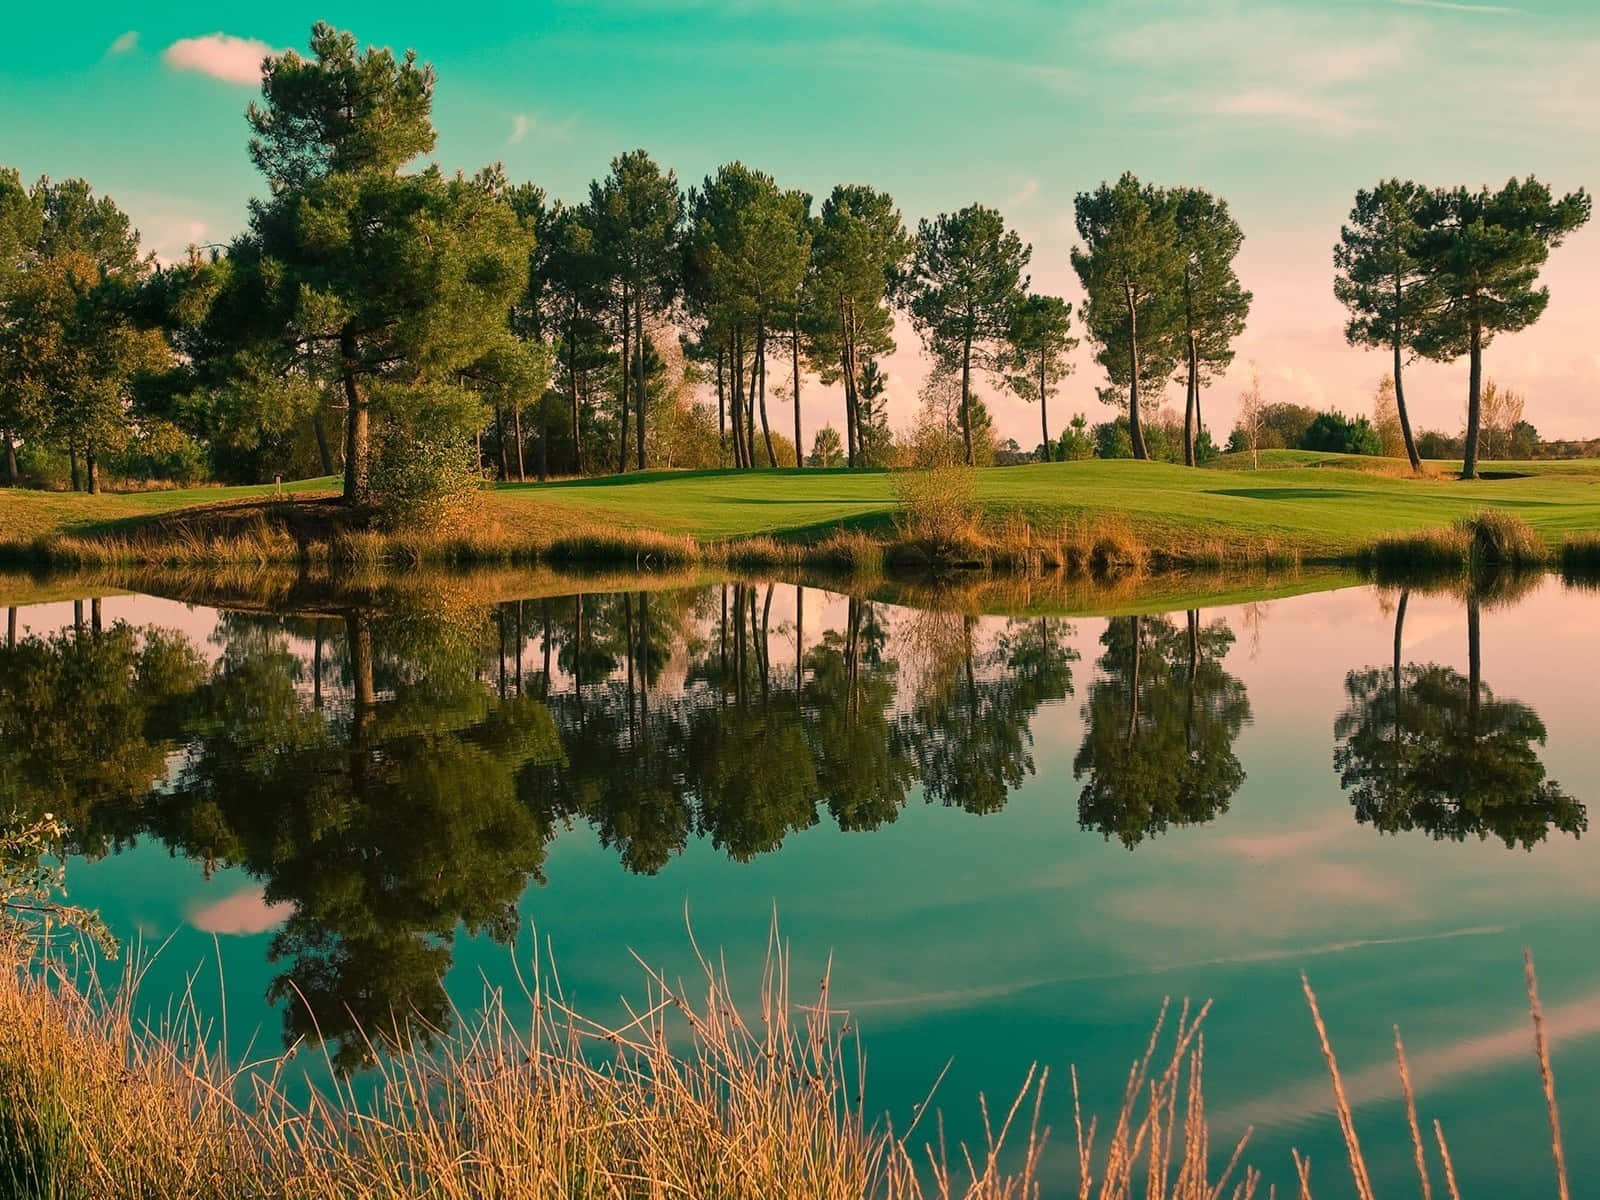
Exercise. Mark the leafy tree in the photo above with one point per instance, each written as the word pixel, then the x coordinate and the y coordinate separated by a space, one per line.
pixel 636 213
pixel 945 432
pixel 1336 433
pixel 576 294
pixel 749 250
pixel 77 343
pixel 825 449
pixel 1214 303
pixel 21 225
pixel 383 284
pixel 1482 252
pixel 1502 413
pixel 857 251
pixel 874 439
pixel 1041 340
pixel 1381 280
pixel 1132 271
pixel 962 286
pixel 1076 441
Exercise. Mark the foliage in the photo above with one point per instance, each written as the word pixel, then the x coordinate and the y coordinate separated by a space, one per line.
pixel 938 508
pixel 1336 433
pixel 1214 303
pixel 1076 442
pixel 33 906
pixel 1482 252
pixel 1130 268
pixel 1041 341
pixel 1382 281
pixel 826 450
pixel 424 471
pixel 962 288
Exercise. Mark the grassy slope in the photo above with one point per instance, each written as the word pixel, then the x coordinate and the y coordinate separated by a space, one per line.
pixel 1320 503
pixel 27 514
pixel 1324 505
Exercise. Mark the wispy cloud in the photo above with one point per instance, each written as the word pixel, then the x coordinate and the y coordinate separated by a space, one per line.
pixel 123 43
pixel 1278 105
pixel 219 55
pixel 520 124
pixel 1493 10
pixel 1024 195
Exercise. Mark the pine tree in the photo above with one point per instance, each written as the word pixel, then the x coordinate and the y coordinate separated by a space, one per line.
pixel 1482 252
pixel 963 285
pixel 1132 270
pixel 1215 305
pixel 1041 340
pixel 1380 280
pixel 385 285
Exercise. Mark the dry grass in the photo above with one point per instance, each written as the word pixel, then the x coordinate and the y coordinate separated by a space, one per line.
pixel 1489 540
pixel 685 1098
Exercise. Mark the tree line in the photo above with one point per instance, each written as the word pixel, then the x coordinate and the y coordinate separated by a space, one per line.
pixel 414 329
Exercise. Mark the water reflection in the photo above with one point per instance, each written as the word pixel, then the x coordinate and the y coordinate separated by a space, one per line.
pixel 1160 727
pixel 1423 747
pixel 393 771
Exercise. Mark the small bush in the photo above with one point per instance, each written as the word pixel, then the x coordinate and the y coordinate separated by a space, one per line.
pixel 939 511
pixel 421 480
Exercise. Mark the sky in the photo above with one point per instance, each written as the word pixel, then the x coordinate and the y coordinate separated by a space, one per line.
pixel 1283 107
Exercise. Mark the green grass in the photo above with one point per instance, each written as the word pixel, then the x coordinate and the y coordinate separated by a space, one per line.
pixel 1322 508
pixel 1315 507
pixel 25 515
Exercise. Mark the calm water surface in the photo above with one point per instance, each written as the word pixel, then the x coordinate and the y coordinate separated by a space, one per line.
pixel 1014 835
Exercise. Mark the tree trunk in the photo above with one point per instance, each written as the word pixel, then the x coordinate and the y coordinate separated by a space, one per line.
pixel 358 636
pixel 722 410
pixel 736 396
pixel 622 419
pixel 500 442
pixel 966 393
pixel 847 365
pixel 799 636
pixel 1191 401
pixel 324 452
pixel 1469 465
pixel 91 468
pixel 1474 663
pixel 639 388
pixel 11 462
pixel 1133 690
pixel 544 611
pixel 1405 418
pixel 77 477
pixel 799 449
pixel 357 432
pixel 761 365
pixel 1399 630
pixel 516 432
pixel 77 619
pixel 11 627
pixel 572 382
pixel 1044 417
pixel 1135 430
pixel 95 622
pixel 542 463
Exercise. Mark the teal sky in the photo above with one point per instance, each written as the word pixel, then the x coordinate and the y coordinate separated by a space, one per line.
pixel 1283 107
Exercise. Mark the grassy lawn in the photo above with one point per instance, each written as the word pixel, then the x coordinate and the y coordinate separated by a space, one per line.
pixel 1322 505
pixel 25 515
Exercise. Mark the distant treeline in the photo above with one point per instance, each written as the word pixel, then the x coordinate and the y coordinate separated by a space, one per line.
pixel 415 330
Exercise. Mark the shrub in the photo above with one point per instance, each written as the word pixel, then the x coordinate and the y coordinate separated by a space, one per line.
pixel 1075 442
pixel 1335 433
pixel 938 509
pixel 422 475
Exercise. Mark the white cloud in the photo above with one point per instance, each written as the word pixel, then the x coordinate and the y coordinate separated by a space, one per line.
pixel 123 43
pixel 240 914
pixel 520 124
pixel 1276 104
pixel 219 55
pixel 1496 10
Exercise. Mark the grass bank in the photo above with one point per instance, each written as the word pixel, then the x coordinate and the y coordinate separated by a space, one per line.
pixel 689 1098
pixel 1075 517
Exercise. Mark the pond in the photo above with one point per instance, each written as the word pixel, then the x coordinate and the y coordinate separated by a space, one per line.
pixel 1014 835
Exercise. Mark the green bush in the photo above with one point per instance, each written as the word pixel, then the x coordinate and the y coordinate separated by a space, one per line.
pixel 1335 433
